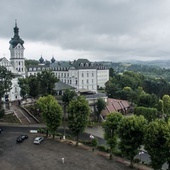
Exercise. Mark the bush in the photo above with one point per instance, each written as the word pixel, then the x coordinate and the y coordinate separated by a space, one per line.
pixel 117 153
pixel 94 142
pixel 42 130
pixel 136 160
pixel 102 148
pixel 2 113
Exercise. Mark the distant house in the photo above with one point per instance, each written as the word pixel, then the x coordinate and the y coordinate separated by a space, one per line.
pixel 116 105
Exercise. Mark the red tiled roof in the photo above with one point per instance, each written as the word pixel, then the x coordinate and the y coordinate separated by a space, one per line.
pixel 115 105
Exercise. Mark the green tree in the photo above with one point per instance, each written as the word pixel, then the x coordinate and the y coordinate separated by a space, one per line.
pixel 66 98
pixel 78 116
pixel 31 62
pixel 23 84
pixel 131 134
pixel 51 111
pixel 160 107
pixel 166 105
pixel 101 104
pixel 47 82
pixel 110 127
pixel 127 94
pixel 168 145
pixel 5 82
pixel 150 114
pixel 155 142
pixel 111 72
pixel 34 86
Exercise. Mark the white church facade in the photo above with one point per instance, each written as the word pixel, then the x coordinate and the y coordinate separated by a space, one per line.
pixel 16 64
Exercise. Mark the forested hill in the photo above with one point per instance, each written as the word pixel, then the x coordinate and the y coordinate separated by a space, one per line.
pixel 147 70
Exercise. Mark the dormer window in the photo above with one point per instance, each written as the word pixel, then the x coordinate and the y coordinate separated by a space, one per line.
pixel 30 69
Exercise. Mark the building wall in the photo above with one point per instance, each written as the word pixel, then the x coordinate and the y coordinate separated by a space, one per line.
pixel 102 77
pixel 14 93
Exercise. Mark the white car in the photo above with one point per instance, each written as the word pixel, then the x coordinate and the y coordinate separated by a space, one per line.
pixel 38 140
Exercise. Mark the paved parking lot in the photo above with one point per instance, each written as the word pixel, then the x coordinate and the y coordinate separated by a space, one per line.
pixel 48 155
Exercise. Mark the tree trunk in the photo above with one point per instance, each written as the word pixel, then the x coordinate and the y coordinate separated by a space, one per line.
pixel 77 142
pixel 110 153
pixel 47 133
pixel 131 162
pixel 64 122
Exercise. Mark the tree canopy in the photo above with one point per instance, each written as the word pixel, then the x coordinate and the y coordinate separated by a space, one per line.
pixel 131 134
pixel 51 111
pixel 156 139
pixel 5 82
pixel 110 127
pixel 78 116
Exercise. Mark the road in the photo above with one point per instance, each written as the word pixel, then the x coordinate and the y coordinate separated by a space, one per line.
pixel 21 129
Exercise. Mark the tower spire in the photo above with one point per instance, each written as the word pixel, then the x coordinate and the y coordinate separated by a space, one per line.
pixel 15 22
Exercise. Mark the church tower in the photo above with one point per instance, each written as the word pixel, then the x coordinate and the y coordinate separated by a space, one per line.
pixel 17 52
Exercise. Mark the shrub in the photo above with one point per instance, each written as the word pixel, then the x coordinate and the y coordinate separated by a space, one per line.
pixel 117 153
pixel 2 113
pixel 102 148
pixel 94 142
pixel 136 160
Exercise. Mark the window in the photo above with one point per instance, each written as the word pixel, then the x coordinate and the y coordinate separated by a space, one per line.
pixel 76 82
pixel 87 81
pixel 82 81
pixel 92 74
pixel 87 74
pixel 82 74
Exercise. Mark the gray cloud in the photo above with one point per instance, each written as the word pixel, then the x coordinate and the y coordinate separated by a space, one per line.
pixel 107 29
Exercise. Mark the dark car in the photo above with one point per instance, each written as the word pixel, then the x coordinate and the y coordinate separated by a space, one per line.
pixel 1 130
pixel 21 138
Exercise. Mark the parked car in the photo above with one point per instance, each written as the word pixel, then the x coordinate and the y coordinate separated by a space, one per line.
pixel 1 130
pixel 38 140
pixel 21 138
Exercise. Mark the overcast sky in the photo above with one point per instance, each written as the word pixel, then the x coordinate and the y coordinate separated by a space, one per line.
pixel 102 30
